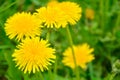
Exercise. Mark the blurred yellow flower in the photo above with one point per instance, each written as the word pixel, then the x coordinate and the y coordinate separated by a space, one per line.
pixel 89 13
pixel 82 54
pixel 33 55
pixel 52 16
pixel 22 25
pixel 72 11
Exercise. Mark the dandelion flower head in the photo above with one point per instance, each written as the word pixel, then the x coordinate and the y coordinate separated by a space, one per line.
pixel 89 13
pixel 51 15
pixel 82 54
pixel 72 11
pixel 33 55
pixel 22 25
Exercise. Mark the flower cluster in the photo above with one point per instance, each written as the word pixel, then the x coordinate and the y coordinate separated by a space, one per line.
pixel 34 54
pixel 58 15
pixel 55 14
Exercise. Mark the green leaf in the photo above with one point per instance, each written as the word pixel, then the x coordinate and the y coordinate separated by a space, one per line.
pixel 117 34
pixel 13 72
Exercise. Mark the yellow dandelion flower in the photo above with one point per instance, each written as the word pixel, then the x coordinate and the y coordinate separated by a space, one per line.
pixel 82 54
pixel 72 11
pixel 22 25
pixel 89 13
pixel 33 55
pixel 52 16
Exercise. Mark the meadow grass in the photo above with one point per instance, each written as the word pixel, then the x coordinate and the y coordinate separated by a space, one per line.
pixel 99 27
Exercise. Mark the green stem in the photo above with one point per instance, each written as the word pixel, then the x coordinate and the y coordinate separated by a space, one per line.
pixel 106 17
pixel 55 67
pixel 114 2
pixel 50 74
pixel 107 5
pixel 25 76
pixel 4 46
pixel 89 25
pixel 48 35
pixel 91 71
pixel 49 71
pixel 37 76
pixel 102 14
pixel 41 76
pixel 117 24
pixel 118 20
pixel 71 45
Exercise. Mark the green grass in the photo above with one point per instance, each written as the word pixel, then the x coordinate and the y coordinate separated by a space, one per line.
pixel 102 33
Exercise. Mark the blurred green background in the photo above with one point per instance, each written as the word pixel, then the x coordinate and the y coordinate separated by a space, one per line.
pixel 102 33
